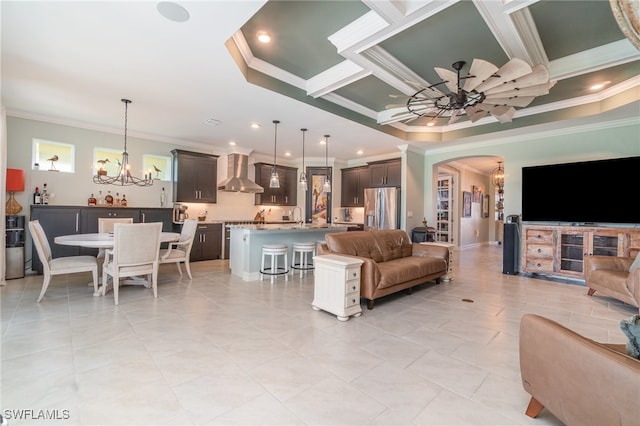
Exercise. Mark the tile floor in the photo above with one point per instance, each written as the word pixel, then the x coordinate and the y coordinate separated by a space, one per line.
pixel 217 350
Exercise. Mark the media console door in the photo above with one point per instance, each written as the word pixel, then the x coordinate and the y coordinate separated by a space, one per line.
pixel 560 250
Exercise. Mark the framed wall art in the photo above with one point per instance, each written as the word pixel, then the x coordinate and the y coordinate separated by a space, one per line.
pixel 318 202
pixel 485 206
pixel 466 204
pixel 477 193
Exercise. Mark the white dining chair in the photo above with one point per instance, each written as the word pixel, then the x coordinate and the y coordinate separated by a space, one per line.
pixel 105 226
pixel 180 250
pixel 135 252
pixel 59 265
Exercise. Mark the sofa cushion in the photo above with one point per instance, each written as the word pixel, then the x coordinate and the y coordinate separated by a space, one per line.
pixel 608 278
pixel 636 263
pixel 360 244
pixel 393 244
pixel 408 269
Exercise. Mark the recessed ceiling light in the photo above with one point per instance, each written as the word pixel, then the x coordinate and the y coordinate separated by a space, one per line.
pixel 360 152
pixel 232 143
pixel 431 124
pixel 172 11
pixel 287 154
pixel 255 125
pixel 263 37
pixel 322 142
pixel 599 86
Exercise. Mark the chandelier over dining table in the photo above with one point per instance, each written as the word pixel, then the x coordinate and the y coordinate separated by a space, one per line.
pixel 123 176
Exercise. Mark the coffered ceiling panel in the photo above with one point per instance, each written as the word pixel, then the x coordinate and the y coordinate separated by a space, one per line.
pixel 369 57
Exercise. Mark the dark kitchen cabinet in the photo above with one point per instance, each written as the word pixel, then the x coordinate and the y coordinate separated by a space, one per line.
pixel 385 173
pixel 207 243
pixel 195 177
pixel 56 221
pixel 286 195
pixel 59 220
pixel 163 215
pixel 354 181
pixel 90 216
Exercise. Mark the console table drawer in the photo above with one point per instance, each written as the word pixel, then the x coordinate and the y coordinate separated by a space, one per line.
pixel 539 235
pixel 539 265
pixel 539 251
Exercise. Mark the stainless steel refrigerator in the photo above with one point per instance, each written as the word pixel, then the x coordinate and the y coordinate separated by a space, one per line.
pixel 382 208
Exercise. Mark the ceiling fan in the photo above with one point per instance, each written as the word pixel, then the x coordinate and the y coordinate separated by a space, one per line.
pixel 487 89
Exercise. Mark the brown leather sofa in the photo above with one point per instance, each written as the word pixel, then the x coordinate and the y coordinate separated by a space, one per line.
pixel 580 381
pixel 610 276
pixel 391 261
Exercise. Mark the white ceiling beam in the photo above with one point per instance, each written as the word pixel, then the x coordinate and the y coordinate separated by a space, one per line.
pixel 340 75
pixel 609 55
pixel 504 30
pixel 390 11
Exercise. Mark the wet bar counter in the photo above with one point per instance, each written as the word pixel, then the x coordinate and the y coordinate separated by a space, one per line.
pixel 247 241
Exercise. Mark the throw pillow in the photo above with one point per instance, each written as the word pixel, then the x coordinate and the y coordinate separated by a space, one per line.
pixel 636 264
pixel 631 328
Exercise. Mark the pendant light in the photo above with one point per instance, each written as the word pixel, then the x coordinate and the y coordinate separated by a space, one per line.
pixel 274 182
pixel 326 187
pixel 124 176
pixel 497 176
pixel 303 175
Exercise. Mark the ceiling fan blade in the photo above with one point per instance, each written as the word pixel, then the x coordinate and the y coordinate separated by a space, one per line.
pixel 512 70
pixel 475 113
pixel 455 116
pixel 516 101
pixel 503 113
pixel 537 90
pixel 539 75
pixel 449 78
pixel 480 70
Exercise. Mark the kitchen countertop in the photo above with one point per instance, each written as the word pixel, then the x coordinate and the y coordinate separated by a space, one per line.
pixel 286 226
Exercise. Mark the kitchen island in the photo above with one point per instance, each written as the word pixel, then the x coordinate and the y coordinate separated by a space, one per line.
pixel 247 241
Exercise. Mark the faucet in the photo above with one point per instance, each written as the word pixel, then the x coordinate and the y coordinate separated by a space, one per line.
pixel 300 221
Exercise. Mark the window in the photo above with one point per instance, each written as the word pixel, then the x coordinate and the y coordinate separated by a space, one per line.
pixel 158 165
pixel 49 155
pixel 107 160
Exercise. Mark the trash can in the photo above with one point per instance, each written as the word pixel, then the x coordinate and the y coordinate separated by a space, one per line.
pixel 14 245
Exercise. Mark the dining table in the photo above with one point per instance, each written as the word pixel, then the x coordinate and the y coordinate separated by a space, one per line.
pixel 105 241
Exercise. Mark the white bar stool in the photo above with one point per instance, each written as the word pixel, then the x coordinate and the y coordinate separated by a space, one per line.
pixel 275 250
pixel 304 263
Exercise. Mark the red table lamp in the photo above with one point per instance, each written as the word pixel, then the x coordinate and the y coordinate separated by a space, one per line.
pixel 15 183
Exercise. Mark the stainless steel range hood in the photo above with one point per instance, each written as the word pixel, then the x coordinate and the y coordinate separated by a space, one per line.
pixel 237 176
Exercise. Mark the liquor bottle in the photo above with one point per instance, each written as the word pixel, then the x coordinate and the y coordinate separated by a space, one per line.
pixel 37 199
pixel 163 198
pixel 123 202
pixel 109 198
pixel 117 201
pixel 100 198
pixel 92 201
pixel 45 195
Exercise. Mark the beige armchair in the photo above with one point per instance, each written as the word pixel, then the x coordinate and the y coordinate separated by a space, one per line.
pixel 59 265
pixel 135 252
pixel 580 381
pixel 180 251
pixel 610 276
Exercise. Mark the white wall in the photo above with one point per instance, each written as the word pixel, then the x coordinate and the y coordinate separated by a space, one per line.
pixel 579 143
pixel 75 188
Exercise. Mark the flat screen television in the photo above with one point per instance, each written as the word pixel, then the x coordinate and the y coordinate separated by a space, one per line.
pixel 598 192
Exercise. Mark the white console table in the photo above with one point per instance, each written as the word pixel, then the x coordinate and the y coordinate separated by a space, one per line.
pixel 337 285
pixel 449 275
